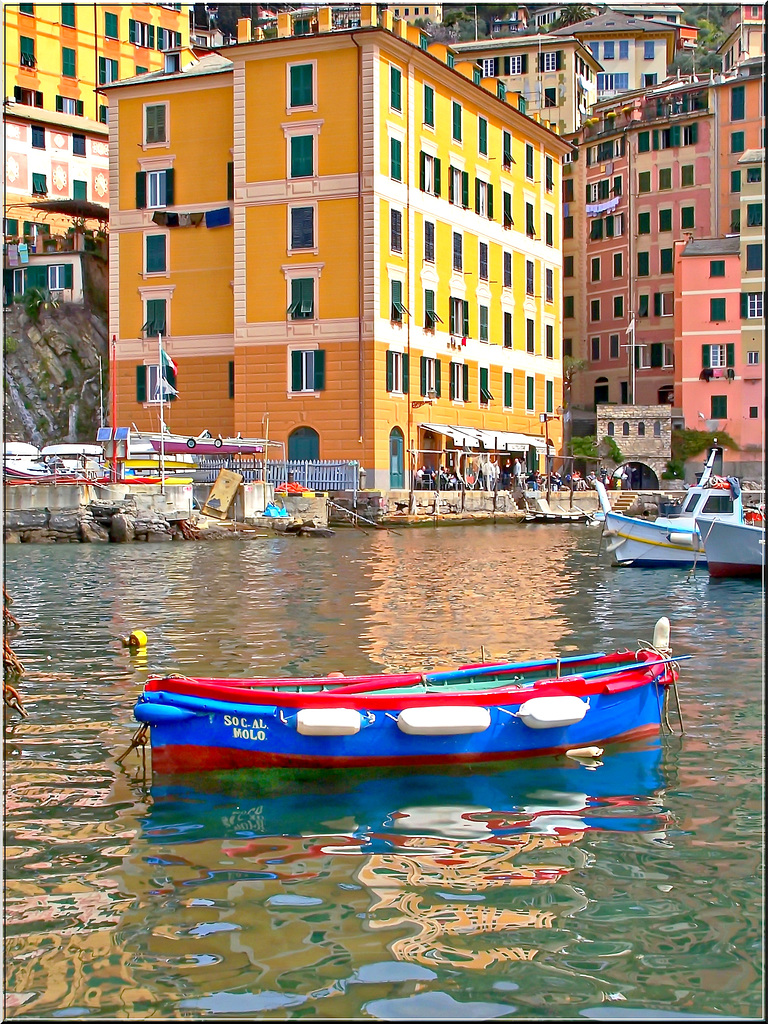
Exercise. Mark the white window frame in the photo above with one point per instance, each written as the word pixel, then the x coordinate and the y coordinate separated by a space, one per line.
pixel 397 372
pixel 53 285
pixel 489 67
pixel 667 303
pixel 457 380
pixel 549 61
pixel 429 173
pixel 482 210
pixel 668 355
pixel 754 305
pixel 430 374
pixel 753 358
pixel 301 128
pixel 516 65
pixel 68 106
pixel 307 358
pixel 294 270
pixel 717 356
pixel 307 107
pixel 456 173
pixel 156 190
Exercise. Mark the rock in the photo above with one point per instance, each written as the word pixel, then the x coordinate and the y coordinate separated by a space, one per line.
pixel 65 523
pixel 121 528
pixel 26 519
pixel 92 533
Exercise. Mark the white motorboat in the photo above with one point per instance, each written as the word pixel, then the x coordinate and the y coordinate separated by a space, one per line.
pixel 673 540
pixel 23 461
pixel 733 549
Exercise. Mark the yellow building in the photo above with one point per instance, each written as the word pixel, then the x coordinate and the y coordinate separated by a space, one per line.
pixel 363 245
pixel 56 58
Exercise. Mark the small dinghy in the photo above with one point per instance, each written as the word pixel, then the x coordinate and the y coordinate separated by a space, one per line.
pixel 476 713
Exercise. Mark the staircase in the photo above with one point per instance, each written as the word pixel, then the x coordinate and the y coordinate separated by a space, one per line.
pixel 621 501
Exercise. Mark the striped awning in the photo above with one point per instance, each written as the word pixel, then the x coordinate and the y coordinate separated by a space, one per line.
pixel 488 440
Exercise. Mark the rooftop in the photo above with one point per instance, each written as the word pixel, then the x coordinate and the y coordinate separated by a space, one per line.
pixel 713 246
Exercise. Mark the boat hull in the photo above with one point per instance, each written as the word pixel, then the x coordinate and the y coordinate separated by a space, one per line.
pixel 199 733
pixel 733 549
pixel 639 542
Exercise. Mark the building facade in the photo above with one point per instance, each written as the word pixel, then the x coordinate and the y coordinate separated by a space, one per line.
pixel 411 283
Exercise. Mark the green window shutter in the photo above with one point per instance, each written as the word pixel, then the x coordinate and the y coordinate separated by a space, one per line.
pixel 705 357
pixel 451 316
pixel 465 318
pixel 657 303
pixel 665 220
pixel 655 138
pixel 643 142
pixel 131 30
pixel 141 383
pixel 79 108
pixel 465 189
pixel 155 254
pixel 484 379
pixel 687 217
pixel 110 25
pixel 395 88
pixel 396 159
pixel 529 383
pixel 438 377
pixel 490 202
pixel 296 363
pixel 429 105
pixel 423 369
pixel 477 195
pixel 320 370
pixel 657 354
pixel 79 189
pixel 231 180
pixel 169 186
pixel 643 223
pixel 667 261
pixel 456 121
pixel 674 135
pixel 508 390
pixel 429 307
pixel 301 85
pixel 730 354
pixel 151 38
pixel 406 381
pixel 155 317
pixel 744 305
pixel 37 277
pixel 141 190
pixel 693 131
pixel 452 383
pixel 436 165
pixel 68 62
pixel 643 264
pixel 390 371
pixel 451 196
pixel 396 300
pixel 302 156
pixel 465 383
pixel 549 396
pixel 482 127
pixel 68 275
pixel 423 171
pixel 102 70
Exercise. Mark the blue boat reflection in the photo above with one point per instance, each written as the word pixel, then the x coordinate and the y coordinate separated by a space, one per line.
pixel 448 869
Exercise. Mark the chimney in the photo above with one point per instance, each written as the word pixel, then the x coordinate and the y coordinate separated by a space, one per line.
pixel 401 28
pixel 368 15
pixel 284 25
pixel 387 20
pixel 325 19
pixel 243 30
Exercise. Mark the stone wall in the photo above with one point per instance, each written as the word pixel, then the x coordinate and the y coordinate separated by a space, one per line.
pixel 649 437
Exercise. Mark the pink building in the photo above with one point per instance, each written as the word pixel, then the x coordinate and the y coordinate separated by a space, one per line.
pixel 712 379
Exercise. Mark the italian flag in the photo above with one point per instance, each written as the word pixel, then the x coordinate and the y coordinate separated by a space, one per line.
pixel 167 362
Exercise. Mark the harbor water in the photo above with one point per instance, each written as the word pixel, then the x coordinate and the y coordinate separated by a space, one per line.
pixel 630 887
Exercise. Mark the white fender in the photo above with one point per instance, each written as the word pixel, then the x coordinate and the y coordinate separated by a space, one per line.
pixel 328 722
pixel 443 721
pixel 552 712
pixel 661 634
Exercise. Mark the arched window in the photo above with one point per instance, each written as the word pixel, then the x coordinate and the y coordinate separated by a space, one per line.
pixel 666 395
pixel 611 428
pixel 641 429
pixel 303 445
pixel 601 391
pixel 657 428
pixel 625 429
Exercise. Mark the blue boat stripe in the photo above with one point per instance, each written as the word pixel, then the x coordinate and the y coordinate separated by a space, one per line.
pixel 511 666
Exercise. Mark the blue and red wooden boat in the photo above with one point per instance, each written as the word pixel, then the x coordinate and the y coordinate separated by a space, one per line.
pixel 477 713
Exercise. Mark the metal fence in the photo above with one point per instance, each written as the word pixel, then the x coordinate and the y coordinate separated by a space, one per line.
pixel 312 476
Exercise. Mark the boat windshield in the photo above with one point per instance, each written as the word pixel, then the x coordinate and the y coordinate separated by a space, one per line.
pixel 690 503
pixel 720 504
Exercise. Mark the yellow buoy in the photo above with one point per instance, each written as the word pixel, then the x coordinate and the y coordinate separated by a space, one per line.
pixel 137 638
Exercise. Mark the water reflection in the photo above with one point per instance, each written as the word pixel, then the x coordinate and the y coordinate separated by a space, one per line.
pixel 462 869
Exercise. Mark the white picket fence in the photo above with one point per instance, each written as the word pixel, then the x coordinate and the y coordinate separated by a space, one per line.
pixel 317 475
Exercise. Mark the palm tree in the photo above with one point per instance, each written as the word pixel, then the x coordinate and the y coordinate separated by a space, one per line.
pixel 571 14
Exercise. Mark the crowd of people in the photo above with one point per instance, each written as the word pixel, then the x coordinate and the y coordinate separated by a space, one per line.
pixel 488 474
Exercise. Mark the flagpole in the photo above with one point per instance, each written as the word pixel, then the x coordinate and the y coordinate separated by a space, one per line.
pixel 161 384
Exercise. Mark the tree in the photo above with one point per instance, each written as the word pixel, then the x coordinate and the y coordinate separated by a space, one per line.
pixel 572 14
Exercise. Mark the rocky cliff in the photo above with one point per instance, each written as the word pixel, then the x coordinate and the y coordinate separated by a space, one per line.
pixel 55 372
